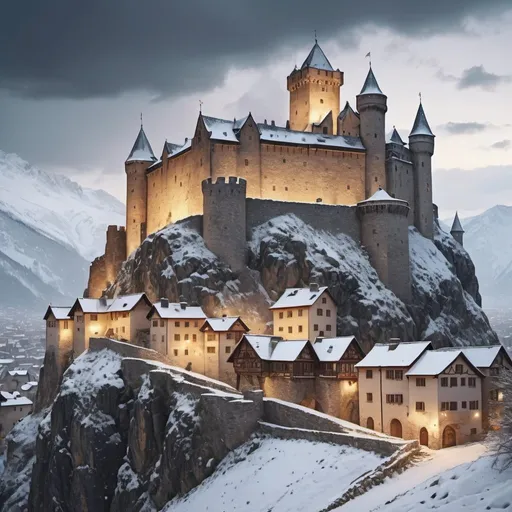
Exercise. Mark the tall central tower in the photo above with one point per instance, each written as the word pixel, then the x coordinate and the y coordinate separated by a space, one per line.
pixel 314 92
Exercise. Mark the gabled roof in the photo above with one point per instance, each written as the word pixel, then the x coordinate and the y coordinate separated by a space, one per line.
pixel 395 137
pixel 59 312
pixel 347 109
pixel 370 85
pixel 119 304
pixel 421 126
pixel 402 354
pixel 434 362
pixel 481 357
pixel 170 147
pixel 333 349
pixel 299 297
pixel 176 311
pixel 289 350
pixel 141 150
pixel 456 226
pixel 223 324
pixel 317 59
pixel 220 129
pixel 14 402
pixel 325 118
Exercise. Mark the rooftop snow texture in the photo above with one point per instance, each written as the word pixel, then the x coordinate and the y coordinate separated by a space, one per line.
pixel 346 110
pixel 382 195
pixel 433 362
pixel 399 355
pixel 141 151
pixel 421 126
pixel 119 304
pixel 370 85
pixel 174 310
pixel 480 357
pixel 14 402
pixel 317 59
pixel 395 138
pixel 332 349
pixel 222 324
pixel 297 297
pixel 274 348
pixel 59 312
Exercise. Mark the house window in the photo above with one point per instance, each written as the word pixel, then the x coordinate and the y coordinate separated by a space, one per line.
pixel 399 375
pixel 227 349
pixel 186 337
pixel 369 397
pixel 123 329
pixel 464 405
pixel 300 328
pixel 463 381
pixel 186 351
pixel 196 324
pixel 473 431
pixel 324 300
pixel 163 338
pixel 327 312
pixel 444 382
pixel 162 323
pixel 290 330
pixel 315 327
pixel 246 162
pixel 320 312
pixel 289 314
pixel 300 312
pixel 473 405
pixel 177 337
pixel 321 100
pixel 459 368
pixel 445 406
pixel 94 318
pixel 210 350
pixel 453 382
pixel 187 324
pixel 420 382
pixel 494 372
pixel 493 394
pixel 176 324
pixel 281 315
pixel 194 337
pixel 390 374
pixel 420 406
pixel 369 374
pixel 394 374
pixel 176 352
pixel 281 329
pixel 155 323
pixel 229 335
pixel 472 382
pixel 453 406
pixel 79 319
pixel 210 337
pixel 66 325
pixel 327 327
pixel 395 399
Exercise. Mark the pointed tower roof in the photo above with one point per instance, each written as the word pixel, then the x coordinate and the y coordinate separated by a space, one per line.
pixel 456 226
pixel 421 126
pixel 347 109
pixel 370 84
pixel 141 151
pixel 395 137
pixel 317 59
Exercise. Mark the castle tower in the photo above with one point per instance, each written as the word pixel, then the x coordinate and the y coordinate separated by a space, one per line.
pixel 139 159
pixel 314 93
pixel 421 144
pixel 457 232
pixel 348 122
pixel 224 230
pixel 385 235
pixel 372 107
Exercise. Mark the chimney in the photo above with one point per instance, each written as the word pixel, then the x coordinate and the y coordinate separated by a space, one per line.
pixel 103 301
pixel 272 123
pixel 164 303
pixel 393 343
pixel 183 305
pixel 313 287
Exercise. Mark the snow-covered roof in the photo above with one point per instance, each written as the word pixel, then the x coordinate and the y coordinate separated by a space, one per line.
pixel 59 312
pixel 141 150
pixel 401 354
pixel 421 126
pixel 395 138
pixel 332 349
pixel 274 348
pixel 370 85
pixel 382 195
pixel 28 386
pixel 14 402
pixel 175 310
pixel 298 297
pixel 222 324
pixel 288 350
pixel 220 129
pixel 171 147
pixel 317 59
pixel 119 304
pixel 347 109
pixel 433 362
pixel 262 344
pixel 6 361
pixel 480 357
pixel 19 373
pixel 456 226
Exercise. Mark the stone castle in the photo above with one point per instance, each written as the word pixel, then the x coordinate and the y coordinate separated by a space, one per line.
pixel 334 169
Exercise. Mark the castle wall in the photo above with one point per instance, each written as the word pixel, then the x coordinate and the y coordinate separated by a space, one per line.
pixel 338 398
pixel 136 205
pixel 115 251
pixel 335 219
pixel 400 176
pixel 97 278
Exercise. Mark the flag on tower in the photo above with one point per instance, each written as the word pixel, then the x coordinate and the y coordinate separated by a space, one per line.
pixel 368 55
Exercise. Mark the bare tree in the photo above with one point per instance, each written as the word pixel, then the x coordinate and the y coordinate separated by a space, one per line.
pixel 501 437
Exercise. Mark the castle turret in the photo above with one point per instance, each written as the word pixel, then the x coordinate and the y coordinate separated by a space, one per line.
pixel 385 235
pixel 457 232
pixel 224 229
pixel 421 144
pixel 348 122
pixel 372 107
pixel 314 92
pixel 139 159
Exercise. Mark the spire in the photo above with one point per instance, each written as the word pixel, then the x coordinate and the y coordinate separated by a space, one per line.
pixel 317 59
pixel 347 109
pixel 370 84
pixel 421 126
pixel 141 151
pixel 456 226
pixel 395 138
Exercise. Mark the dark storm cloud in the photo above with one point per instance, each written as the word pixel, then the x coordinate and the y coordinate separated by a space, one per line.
pixel 477 76
pixel 99 48
pixel 502 144
pixel 464 128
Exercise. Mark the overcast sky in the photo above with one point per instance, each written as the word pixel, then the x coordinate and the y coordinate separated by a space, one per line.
pixel 76 75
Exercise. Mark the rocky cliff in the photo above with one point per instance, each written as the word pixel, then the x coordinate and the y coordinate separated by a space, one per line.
pixel 286 252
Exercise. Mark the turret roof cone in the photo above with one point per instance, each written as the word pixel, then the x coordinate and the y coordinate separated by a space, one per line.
pixel 141 151
pixel 421 126
pixel 395 137
pixel 346 110
pixel 317 59
pixel 370 84
pixel 456 226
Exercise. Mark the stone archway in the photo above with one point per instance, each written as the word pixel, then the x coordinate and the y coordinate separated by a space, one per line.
pixel 396 428
pixel 449 437
pixel 370 423
pixel 424 436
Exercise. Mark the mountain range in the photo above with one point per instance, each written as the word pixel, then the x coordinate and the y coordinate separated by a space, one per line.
pixel 50 230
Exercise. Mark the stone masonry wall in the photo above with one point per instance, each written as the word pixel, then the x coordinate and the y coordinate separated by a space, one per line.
pixel 97 278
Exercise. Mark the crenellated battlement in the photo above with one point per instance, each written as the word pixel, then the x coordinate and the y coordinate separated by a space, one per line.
pixel 221 186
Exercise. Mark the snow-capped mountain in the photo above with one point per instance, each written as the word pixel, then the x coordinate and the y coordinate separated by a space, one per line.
pixel 488 241
pixel 50 230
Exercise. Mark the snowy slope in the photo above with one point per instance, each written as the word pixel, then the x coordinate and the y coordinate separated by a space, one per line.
pixel 50 229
